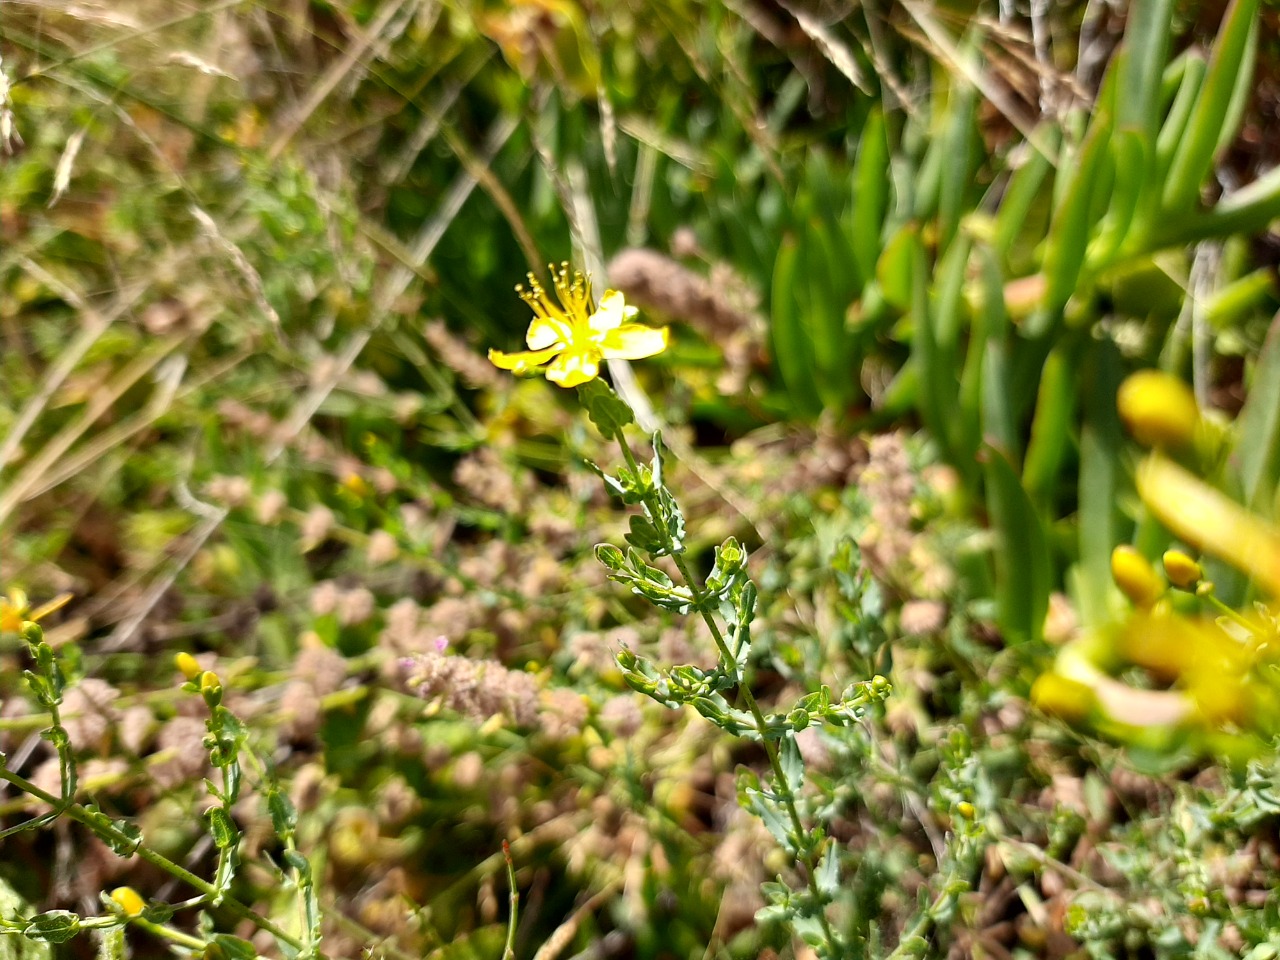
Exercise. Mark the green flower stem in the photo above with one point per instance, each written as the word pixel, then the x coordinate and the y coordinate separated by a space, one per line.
pixel 95 822
pixel 908 943
pixel 809 855
pixel 170 934
pixel 509 950
pixel 1233 615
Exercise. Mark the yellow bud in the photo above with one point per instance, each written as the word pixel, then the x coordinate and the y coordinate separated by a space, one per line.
pixel 1135 576
pixel 129 901
pixel 211 688
pixel 966 809
pixel 187 665
pixel 1158 408
pixel 355 485
pixel 1181 569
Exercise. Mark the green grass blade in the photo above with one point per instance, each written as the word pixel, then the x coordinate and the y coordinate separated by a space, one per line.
pixel 958 145
pixel 1257 453
pixel 792 345
pixel 936 394
pixel 1073 220
pixel 870 197
pixel 1146 39
pixel 1020 195
pixel 1050 427
pixel 1101 443
pixel 1175 122
pixel 1023 568
pixel 1193 160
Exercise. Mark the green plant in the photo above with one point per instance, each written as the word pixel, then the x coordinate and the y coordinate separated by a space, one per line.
pixel 224 742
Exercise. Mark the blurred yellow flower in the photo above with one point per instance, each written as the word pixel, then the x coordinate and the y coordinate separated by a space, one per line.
pixel 575 335
pixel 15 610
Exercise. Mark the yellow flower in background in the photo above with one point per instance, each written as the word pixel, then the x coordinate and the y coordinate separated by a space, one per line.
pixel 574 337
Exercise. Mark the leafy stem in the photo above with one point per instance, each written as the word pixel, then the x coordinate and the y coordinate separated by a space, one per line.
pixel 121 840
pixel 808 850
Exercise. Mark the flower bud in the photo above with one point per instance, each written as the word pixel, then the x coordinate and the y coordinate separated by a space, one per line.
pixel 1135 576
pixel 211 688
pixel 129 901
pixel 1181 569
pixel 187 665
pixel 1158 408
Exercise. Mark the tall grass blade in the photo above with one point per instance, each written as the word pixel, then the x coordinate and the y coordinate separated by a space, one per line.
pixel 1232 55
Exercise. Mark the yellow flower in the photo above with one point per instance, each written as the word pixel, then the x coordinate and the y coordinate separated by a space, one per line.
pixel 575 335
pixel 15 610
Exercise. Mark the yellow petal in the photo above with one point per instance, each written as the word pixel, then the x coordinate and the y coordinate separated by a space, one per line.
pixel 574 367
pixel 545 332
pixel 611 313
pixel 632 341
pixel 521 362
pixel 1208 520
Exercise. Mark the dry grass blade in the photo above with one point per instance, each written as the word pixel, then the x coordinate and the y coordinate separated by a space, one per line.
pixel 941 45
pixel 96 324
pixel 395 285
pixel 830 46
pixel 333 76
pixel 565 933
pixel 102 401
pixel 156 408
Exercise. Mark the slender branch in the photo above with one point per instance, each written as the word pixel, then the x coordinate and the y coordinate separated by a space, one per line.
pixel 101 826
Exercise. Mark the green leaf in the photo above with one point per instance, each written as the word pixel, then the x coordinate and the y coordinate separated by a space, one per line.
pixel 1073 219
pixel 792 764
pixel 284 816
pixel 999 416
pixel 222 828
pixel 792 345
pixel 55 926
pixel 610 556
pixel 1022 192
pixel 1211 120
pixel 1101 441
pixel 1050 427
pixel 1023 571
pixel 870 196
pixel 959 143
pixel 643 535
pixel 1146 40
pixel 1193 67
pixel 233 948
pixel 16 946
pixel 893 269
pixel 1131 156
pixel 1257 452
pixel 605 408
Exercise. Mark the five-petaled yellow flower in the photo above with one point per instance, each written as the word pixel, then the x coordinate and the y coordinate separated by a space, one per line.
pixel 576 333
